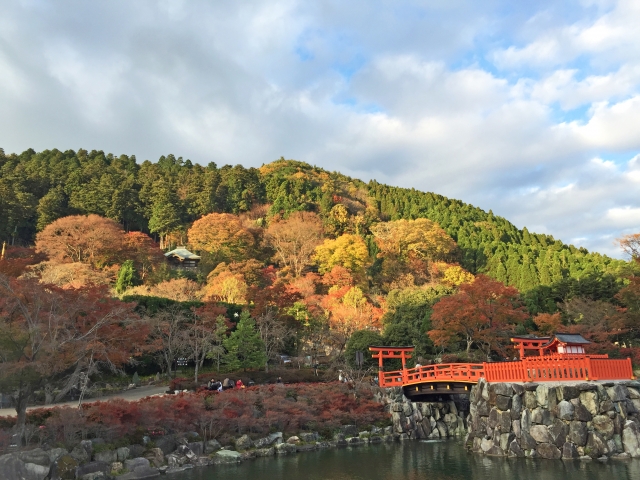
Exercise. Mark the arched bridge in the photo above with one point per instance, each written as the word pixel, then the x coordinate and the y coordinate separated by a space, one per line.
pixel 428 381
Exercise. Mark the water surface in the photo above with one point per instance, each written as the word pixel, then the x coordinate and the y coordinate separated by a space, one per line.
pixel 411 461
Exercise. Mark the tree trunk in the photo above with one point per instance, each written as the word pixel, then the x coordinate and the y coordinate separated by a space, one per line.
pixel 469 343
pixel 21 402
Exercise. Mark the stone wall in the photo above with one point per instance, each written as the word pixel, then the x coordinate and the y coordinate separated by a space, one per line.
pixel 424 420
pixel 580 420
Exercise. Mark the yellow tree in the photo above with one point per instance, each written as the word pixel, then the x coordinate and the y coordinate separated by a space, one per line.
pixel 222 235
pixel 294 240
pixel 226 287
pixel 348 251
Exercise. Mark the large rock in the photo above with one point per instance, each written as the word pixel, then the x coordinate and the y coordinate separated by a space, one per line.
pixel 106 456
pixel 541 416
pixel 527 442
pixel 548 450
pixel 167 444
pixel 79 453
pixel 65 467
pixel 309 437
pixel 482 408
pixel 530 400
pixel 515 450
pixel 244 442
pixel 596 446
pixel 569 451
pixel 567 392
pixel 558 432
pixel 542 396
pixel 155 457
pixel 590 401
pixel 631 438
pixel 132 463
pixel 122 454
pixel 540 433
pixel 349 430
pixel 12 468
pixel 525 420
pixel 229 456
pixel 617 393
pixel 565 410
pixel 517 430
pixel 93 467
pixel 580 412
pixel 577 433
pixel 486 444
pixel 604 426
pixel 211 446
pixel 516 406
pixel 285 448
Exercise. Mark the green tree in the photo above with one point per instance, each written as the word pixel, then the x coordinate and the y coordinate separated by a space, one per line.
pixel 245 348
pixel 360 341
pixel 127 277
pixel 51 207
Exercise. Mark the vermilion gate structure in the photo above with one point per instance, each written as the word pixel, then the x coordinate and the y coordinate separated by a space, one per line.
pixel 445 379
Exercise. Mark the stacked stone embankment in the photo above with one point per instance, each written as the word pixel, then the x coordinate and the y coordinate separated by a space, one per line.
pixel 555 421
pixel 424 420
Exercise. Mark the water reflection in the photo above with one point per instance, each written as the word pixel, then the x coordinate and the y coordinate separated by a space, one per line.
pixel 412 461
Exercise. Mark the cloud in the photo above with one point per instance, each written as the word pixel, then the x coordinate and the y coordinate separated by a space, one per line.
pixel 528 110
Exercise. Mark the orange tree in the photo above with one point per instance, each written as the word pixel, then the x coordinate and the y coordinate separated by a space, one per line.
pixel 222 235
pixel 482 313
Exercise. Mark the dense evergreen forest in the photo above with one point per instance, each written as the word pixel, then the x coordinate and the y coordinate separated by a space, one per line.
pixel 167 196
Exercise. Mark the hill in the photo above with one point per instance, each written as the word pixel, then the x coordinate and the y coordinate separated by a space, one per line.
pixel 167 196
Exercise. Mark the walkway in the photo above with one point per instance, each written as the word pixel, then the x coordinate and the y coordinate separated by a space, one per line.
pixel 131 395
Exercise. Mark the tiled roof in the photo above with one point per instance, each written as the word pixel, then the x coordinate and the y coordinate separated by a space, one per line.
pixel 182 253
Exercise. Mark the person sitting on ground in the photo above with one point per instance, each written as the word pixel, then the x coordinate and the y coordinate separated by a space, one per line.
pixel 279 380
pixel 239 384
pixel 210 385
pixel 226 384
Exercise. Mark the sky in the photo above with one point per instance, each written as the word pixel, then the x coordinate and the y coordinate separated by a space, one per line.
pixel 530 109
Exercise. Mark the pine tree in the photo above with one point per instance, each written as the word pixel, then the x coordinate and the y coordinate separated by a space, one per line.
pixel 245 348
pixel 126 277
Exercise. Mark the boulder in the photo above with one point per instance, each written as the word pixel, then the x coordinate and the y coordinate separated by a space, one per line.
pixel 155 457
pixel 633 393
pixel 540 433
pixel 596 446
pixel 122 454
pixel 530 400
pixel 227 456
pixel 36 456
pixel 79 453
pixel 541 416
pixel 211 446
pixel 515 426
pixel 502 402
pixel 244 443
pixel 136 451
pixel 525 420
pixel 505 440
pixel 527 442
pixel 309 437
pixel 605 406
pixel 517 388
pixel 132 463
pixel 516 406
pixel 542 396
pixel 285 448
pixel 515 450
pixel 631 438
pixel 617 393
pixel 569 451
pixel 294 439
pixel 482 408
pixel 65 467
pixel 107 456
pixel 565 410
pixel 166 443
pixel 548 450
pixel 486 444
pixel 577 433
pixel 93 467
pixel 265 452
pixel 603 425
pixel 558 432
pixel 567 392
pixel 580 412
pixel 590 401
pixel 196 448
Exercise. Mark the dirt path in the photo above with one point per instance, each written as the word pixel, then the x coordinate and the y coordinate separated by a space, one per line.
pixel 131 395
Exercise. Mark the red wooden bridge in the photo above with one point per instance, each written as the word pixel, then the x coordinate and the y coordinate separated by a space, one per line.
pixel 556 361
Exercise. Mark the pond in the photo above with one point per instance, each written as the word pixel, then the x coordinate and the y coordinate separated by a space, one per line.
pixel 411 461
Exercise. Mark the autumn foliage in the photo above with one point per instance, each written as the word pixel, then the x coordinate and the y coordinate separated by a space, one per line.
pixel 482 313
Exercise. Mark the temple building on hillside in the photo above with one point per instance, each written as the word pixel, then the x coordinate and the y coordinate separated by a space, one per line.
pixel 558 344
pixel 182 258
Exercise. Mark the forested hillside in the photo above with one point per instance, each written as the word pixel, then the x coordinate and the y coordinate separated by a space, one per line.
pixel 166 197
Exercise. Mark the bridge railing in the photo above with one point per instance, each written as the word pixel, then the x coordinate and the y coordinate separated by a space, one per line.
pixel 530 369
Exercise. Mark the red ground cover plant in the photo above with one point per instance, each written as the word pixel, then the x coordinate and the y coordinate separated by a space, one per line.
pixel 256 411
